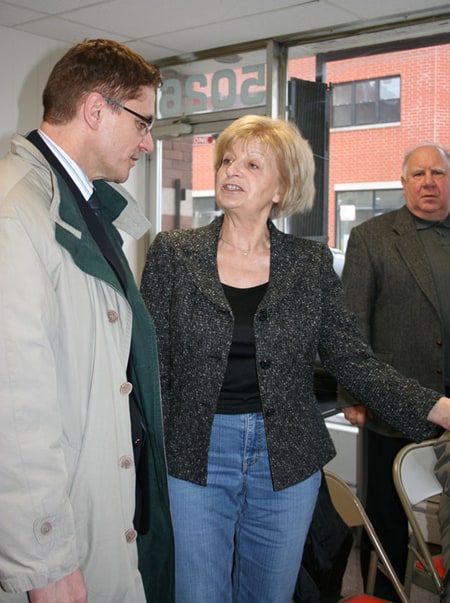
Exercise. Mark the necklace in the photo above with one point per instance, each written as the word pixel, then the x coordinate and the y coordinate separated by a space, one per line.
pixel 244 252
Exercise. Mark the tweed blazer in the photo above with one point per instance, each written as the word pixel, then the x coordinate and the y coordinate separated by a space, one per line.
pixel 389 286
pixel 301 314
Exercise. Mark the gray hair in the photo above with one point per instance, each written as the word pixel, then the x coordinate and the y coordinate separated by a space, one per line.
pixel 442 150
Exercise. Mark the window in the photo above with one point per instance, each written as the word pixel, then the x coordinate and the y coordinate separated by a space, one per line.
pixel 354 207
pixel 366 102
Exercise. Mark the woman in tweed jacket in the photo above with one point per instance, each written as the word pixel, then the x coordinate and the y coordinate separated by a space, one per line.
pixel 241 311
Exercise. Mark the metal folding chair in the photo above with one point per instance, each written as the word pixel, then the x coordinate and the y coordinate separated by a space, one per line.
pixel 415 482
pixel 350 508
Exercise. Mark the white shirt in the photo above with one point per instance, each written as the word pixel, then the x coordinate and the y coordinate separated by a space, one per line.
pixel 73 169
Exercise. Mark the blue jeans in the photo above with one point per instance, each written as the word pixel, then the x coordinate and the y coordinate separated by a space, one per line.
pixel 236 540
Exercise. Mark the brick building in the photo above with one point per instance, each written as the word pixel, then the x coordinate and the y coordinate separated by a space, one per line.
pixel 369 157
pixel 409 88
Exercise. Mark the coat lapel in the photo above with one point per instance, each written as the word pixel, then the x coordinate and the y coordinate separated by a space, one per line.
pixel 72 233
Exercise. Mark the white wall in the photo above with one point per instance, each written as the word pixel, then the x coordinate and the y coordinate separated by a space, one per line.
pixel 25 64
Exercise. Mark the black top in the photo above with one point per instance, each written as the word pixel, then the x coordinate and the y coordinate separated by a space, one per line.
pixel 240 389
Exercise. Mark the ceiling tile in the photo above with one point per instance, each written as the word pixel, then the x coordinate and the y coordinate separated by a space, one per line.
pixel 13 15
pixel 176 27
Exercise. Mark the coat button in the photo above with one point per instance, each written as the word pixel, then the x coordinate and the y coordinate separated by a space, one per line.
pixel 130 535
pixel 126 462
pixel 46 527
pixel 265 364
pixel 439 342
pixel 439 371
pixel 112 316
pixel 270 412
pixel 126 388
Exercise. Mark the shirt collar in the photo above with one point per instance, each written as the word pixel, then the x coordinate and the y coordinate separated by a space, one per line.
pixel 422 224
pixel 73 169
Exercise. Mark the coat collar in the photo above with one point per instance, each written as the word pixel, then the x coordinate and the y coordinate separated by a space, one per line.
pixel 117 204
pixel 71 231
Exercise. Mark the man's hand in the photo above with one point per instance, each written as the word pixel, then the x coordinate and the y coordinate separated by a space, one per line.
pixel 356 415
pixel 70 589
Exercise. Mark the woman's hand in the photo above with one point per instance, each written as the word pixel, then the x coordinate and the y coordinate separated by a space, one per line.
pixel 440 413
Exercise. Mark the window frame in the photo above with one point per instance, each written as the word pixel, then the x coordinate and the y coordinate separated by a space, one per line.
pixel 379 116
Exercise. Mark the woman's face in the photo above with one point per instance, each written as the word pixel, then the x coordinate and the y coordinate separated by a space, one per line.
pixel 247 179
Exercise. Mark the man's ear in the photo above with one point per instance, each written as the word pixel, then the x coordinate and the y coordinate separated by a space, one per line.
pixel 93 109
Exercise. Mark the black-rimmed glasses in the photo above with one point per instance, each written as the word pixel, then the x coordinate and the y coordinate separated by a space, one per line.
pixel 145 124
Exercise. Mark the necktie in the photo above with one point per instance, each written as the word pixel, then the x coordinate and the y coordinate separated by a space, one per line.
pixel 94 202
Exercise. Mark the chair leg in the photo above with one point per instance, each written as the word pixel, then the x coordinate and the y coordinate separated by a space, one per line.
pixel 409 571
pixel 372 573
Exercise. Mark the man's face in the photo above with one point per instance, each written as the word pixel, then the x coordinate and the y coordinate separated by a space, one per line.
pixel 427 184
pixel 124 137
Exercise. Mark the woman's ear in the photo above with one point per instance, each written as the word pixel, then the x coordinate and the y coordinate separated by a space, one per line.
pixel 276 198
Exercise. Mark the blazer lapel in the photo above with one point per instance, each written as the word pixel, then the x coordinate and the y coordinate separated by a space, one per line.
pixel 287 264
pixel 200 257
pixel 412 253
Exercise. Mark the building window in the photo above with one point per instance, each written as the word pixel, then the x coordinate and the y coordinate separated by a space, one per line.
pixel 366 102
pixel 204 210
pixel 355 207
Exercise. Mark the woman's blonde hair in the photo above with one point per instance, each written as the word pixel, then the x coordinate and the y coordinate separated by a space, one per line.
pixel 293 156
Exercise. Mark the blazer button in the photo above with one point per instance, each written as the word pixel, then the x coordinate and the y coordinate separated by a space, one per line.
pixel 439 371
pixel 265 364
pixel 262 315
pixel 439 342
pixel 126 388
pixel 270 412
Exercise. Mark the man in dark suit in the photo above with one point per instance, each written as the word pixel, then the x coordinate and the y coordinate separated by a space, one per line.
pixel 396 281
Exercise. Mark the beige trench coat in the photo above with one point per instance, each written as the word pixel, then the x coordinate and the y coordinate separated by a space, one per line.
pixel 67 477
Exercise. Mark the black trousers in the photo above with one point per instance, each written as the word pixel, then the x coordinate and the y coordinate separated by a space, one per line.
pixel 383 507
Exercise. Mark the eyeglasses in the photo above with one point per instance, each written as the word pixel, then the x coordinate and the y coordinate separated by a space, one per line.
pixel 144 125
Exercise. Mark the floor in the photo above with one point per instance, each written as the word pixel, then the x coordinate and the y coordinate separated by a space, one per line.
pixel 352 582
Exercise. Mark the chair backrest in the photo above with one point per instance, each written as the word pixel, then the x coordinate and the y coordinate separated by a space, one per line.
pixel 415 481
pixel 350 508
pixel 414 470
